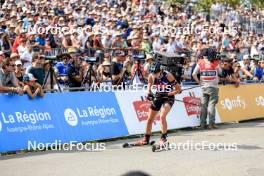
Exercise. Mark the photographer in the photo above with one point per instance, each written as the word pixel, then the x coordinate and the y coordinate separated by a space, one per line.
pixel 118 68
pixel 209 69
pixel 104 71
pixel 74 72
pixel 61 69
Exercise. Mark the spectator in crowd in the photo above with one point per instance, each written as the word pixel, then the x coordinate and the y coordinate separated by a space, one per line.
pixel 61 69
pixel 187 75
pixel 40 41
pixel 245 63
pixel 6 45
pixel 37 69
pixel 8 81
pixel 145 44
pixel 104 72
pixel 227 75
pixel 138 68
pixel 241 73
pixel 258 71
pixel 66 41
pixel 2 56
pixel 19 72
pixel 123 24
pixel 31 87
pixel 148 62
pixel 118 68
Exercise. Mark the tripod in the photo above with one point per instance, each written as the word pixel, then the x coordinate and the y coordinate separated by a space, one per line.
pixel 88 76
pixel 138 72
pixel 51 75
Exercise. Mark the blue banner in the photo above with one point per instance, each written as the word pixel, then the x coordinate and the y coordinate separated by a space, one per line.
pixel 63 117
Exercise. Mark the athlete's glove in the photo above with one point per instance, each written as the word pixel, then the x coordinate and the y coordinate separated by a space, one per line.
pixel 162 95
pixel 150 97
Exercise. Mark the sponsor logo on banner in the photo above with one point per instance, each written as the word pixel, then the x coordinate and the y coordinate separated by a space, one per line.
pixel 260 101
pixel 91 115
pixel 26 121
pixel 70 117
pixel 142 107
pixel 242 103
pixel 231 104
pixel 191 104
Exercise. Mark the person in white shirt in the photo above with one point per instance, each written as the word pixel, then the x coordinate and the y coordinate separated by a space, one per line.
pixel 170 47
pixel 156 45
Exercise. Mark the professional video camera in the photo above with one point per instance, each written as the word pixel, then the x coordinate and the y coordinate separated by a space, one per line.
pixel 138 57
pixel 51 58
pixel 211 54
pixel 51 72
pixel 172 62
pixel 89 59
pixel 119 53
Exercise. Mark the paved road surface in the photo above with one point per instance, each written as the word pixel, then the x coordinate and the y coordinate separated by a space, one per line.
pixel 247 160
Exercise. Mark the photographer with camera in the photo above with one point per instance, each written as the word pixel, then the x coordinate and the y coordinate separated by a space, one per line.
pixel 118 67
pixel 74 72
pixel 209 69
pixel 61 69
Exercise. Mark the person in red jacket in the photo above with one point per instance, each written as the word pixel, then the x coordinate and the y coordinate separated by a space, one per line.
pixel 17 41
pixel 209 69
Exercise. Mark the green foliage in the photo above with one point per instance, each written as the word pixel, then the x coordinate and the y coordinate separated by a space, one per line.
pixel 205 5
pixel 258 3
pixel 176 1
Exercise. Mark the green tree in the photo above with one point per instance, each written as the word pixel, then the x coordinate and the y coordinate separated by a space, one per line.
pixel 258 3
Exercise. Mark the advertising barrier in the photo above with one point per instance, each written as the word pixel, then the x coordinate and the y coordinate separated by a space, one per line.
pixel 134 108
pixel 86 116
pixel 242 103
pixel 64 117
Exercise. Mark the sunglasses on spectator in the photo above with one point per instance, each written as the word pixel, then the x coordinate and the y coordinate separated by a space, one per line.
pixel 13 65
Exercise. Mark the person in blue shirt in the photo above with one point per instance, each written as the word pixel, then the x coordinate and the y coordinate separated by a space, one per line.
pixel 62 69
pixel 258 71
pixel 40 40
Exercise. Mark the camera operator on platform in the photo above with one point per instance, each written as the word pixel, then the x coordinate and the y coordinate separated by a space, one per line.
pixel 209 70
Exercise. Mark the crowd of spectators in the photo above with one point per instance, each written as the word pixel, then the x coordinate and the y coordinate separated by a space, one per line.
pixel 111 30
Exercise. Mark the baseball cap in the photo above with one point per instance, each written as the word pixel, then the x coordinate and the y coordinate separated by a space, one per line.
pixel 245 57
pixel 14 55
pixel 28 77
pixel 18 62
pixel 149 56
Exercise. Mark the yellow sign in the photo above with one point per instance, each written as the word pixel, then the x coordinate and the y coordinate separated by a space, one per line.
pixel 241 103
